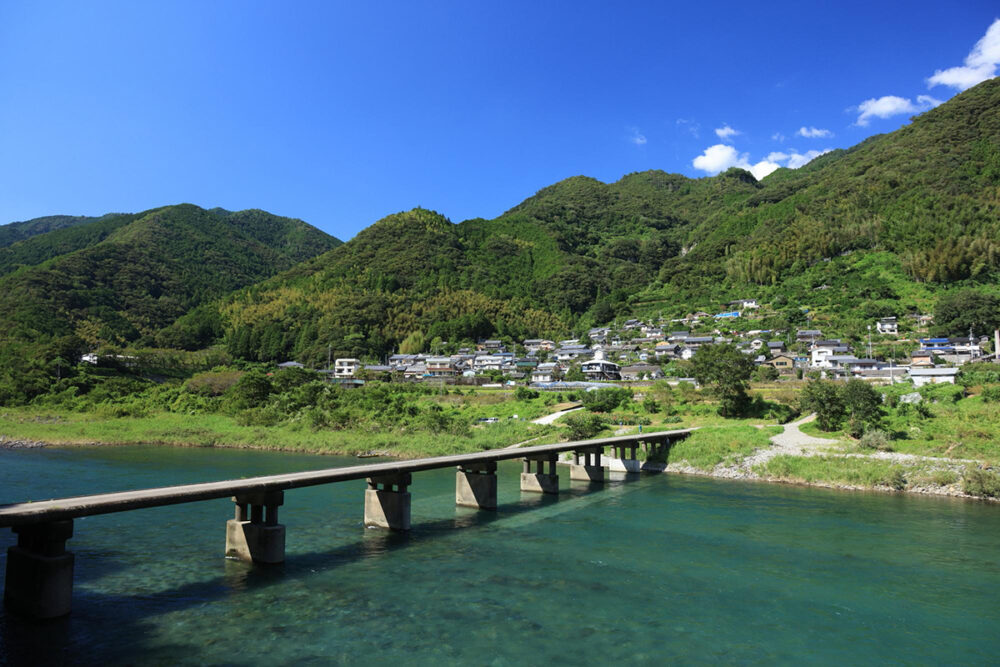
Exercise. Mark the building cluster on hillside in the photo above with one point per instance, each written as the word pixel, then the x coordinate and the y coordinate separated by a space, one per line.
pixel 637 350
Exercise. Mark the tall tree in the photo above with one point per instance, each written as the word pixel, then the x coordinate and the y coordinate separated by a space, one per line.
pixel 727 371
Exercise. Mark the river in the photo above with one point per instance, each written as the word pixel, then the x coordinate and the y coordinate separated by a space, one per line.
pixel 661 569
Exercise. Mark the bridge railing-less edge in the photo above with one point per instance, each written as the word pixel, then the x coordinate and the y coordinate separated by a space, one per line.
pixel 39 576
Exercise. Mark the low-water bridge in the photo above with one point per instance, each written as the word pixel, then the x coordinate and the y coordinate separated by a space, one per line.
pixel 39 577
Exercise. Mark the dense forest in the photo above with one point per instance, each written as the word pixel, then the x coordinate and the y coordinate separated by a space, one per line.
pixel 882 228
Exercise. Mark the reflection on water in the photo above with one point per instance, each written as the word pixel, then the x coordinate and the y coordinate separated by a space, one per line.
pixel 650 569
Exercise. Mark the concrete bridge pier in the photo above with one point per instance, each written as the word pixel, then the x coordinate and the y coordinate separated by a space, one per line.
pixel 540 481
pixel 476 485
pixel 624 458
pixel 39 579
pixel 254 534
pixel 590 470
pixel 387 502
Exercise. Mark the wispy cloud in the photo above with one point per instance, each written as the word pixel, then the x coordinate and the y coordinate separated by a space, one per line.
pixel 892 105
pixel 636 137
pixel 980 64
pixel 813 133
pixel 726 133
pixel 720 157
pixel 778 136
pixel 691 126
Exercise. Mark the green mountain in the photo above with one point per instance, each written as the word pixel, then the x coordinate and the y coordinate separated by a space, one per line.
pixel 124 277
pixel 878 229
pixel 18 231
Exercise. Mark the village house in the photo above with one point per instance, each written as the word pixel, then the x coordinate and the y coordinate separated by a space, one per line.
pixel 922 359
pixel 345 368
pixel 776 347
pixel 822 350
pixel 784 363
pixel 440 367
pixel 600 368
pixel 923 376
pixel 415 371
pixel 547 372
pixel 744 304
pixel 808 335
pixel 887 326
pixel 569 354
pixel 539 344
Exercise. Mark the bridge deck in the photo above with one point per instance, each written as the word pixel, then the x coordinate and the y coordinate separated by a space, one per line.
pixel 106 503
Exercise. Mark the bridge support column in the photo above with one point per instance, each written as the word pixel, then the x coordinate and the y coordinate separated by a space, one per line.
pixel 256 536
pixel 540 481
pixel 476 485
pixel 39 579
pixel 388 506
pixel 624 458
pixel 590 470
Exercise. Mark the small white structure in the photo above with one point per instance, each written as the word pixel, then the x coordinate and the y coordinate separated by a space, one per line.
pixel 922 376
pixel 599 368
pixel 345 368
pixel 887 326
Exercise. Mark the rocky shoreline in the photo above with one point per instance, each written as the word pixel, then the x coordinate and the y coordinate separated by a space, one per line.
pixel 12 443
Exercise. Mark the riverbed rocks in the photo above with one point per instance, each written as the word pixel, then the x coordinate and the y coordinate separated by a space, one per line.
pixel 12 443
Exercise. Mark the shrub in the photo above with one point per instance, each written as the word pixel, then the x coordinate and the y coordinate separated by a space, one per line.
pixel 525 394
pixel 605 400
pixel 583 425
pixel 212 383
pixel 991 394
pixel 895 478
pixel 876 439
pixel 982 483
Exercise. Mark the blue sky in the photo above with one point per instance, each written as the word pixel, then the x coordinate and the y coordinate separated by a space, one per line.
pixel 340 114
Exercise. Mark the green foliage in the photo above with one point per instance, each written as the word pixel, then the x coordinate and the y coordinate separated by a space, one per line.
pixel 583 425
pixel 525 394
pixel 876 439
pixel 863 405
pixel 963 310
pixel 979 482
pixel 605 400
pixel 824 398
pixel 728 372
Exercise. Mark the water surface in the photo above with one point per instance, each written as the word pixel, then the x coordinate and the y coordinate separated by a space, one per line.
pixel 663 568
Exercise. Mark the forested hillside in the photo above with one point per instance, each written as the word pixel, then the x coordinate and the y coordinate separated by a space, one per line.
pixel 123 278
pixel 879 229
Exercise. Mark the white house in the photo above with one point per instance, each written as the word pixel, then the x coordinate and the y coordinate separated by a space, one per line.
pixel 345 368
pixel 887 326
pixel 599 368
pixel 922 376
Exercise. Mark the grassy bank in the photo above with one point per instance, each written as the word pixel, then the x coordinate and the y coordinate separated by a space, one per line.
pixel 708 447
pixel 223 431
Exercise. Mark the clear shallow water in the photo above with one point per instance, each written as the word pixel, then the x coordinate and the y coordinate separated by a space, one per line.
pixel 663 568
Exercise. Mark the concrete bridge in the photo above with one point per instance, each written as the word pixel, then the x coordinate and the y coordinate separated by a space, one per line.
pixel 39 577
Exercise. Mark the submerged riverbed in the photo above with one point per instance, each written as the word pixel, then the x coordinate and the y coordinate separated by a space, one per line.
pixel 662 568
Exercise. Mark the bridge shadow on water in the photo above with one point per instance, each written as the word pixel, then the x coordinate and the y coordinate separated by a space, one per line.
pixel 112 627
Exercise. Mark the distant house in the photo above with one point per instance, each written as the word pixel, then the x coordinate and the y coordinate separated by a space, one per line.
pixel 922 376
pixel 782 362
pixel 887 326
pixel 776 347
pixel 750 304
pixel 822 350
pixel 418 370
pixel 345 368
pixel 290 364
pixel 440 367
pixel 600 368
pixel 808 335
pixel 922 358
pixel 641 372
pixel 547 372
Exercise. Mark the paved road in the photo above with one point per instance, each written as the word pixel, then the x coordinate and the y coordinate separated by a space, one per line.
pixel 548 419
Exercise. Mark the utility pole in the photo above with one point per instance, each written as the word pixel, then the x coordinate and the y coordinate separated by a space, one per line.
pixel 869 341
pixel 329 353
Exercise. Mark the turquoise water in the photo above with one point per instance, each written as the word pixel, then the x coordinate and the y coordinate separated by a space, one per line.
pixel 659 569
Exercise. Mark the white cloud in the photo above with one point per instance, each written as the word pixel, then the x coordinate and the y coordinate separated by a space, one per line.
pixel 719 158
pixel 813 133
pixel 778 136
pixel 690 125
pixel 980 64
pixel 725 132
pixel 892 105
pixel 796 160
pixel 637 137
